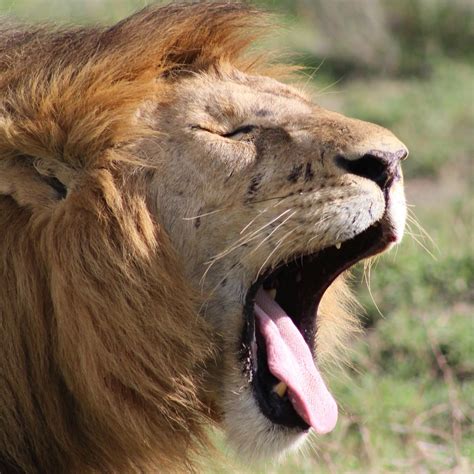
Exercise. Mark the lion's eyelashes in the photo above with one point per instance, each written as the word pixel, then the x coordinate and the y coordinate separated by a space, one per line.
pixel 234 134
pixel 203 129
pixel 240 131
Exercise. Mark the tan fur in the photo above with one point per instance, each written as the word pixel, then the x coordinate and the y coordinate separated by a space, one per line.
pixel 118 335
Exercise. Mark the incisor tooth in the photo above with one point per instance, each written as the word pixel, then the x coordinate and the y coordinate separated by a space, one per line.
pixel 273 292
pixel 280 389
pixel 338 245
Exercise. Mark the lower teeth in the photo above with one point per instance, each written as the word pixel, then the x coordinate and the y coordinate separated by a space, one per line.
pixel 280 389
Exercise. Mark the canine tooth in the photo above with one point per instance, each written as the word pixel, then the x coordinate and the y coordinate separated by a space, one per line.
pixel 273 293
pixel 280 389
pixel 338 245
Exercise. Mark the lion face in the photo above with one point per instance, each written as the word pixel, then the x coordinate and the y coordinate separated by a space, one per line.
pixel 268 198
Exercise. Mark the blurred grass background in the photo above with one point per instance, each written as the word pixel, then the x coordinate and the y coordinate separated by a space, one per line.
pixel 407 398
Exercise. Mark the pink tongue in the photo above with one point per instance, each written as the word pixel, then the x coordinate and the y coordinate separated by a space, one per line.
pixel 290 360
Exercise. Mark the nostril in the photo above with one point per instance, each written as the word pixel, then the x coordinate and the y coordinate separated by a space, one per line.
pixel 368 166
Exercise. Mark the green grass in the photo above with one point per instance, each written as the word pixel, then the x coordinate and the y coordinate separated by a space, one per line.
pixel 432 116
pixel 74 11
pixel 407 396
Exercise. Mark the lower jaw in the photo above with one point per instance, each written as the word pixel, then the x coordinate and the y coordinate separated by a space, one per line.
pixel 261 439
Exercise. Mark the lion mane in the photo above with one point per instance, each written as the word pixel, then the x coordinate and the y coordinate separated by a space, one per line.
pixel 102 352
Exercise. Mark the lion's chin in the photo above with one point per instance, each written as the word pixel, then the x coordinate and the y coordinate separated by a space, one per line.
pixel 253 435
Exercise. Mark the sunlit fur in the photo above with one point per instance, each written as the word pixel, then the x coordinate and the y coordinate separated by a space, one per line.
pixel 121 290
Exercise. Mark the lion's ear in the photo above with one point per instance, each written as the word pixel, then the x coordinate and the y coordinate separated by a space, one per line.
pixel 22 180
pixel 129 342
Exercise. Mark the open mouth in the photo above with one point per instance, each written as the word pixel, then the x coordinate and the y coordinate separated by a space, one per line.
pixel 278 342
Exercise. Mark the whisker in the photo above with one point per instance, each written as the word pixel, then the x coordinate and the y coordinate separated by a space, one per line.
pixel 211 293
pixel 367 278
pixel 310 77
pixel 434 257
pixel 412 218
pixel 257 216
pixel 269 235
pixel 215 211
pixel 419 241
pixel 321 92
pixel 246 238
pixel 253 250
pixel 324 219
pixel 239 243
pixel 282 240
pixel 270 199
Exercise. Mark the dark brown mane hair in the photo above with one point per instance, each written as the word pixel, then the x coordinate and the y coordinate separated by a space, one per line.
pixel 101 352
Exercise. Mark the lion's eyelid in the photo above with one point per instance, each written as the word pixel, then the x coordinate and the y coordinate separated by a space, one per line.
pixel 242 129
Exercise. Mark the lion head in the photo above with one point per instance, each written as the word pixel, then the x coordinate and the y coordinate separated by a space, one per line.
pixel 175 223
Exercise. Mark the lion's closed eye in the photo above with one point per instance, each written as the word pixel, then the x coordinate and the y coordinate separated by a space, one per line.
pixel 240 132
pixel 237 134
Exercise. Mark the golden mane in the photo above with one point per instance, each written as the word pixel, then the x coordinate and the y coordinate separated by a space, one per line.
pixel 82 87
pixel 101 349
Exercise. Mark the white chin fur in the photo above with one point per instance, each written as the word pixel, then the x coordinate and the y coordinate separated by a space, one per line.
pixel 253 435
pixel 397 211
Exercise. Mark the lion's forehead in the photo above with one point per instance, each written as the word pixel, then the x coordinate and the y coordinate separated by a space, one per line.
pixel 239 98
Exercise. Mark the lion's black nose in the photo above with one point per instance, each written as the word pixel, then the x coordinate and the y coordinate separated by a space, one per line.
pixel 376 165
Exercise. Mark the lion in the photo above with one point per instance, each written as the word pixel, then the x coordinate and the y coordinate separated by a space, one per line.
pixel 175 225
